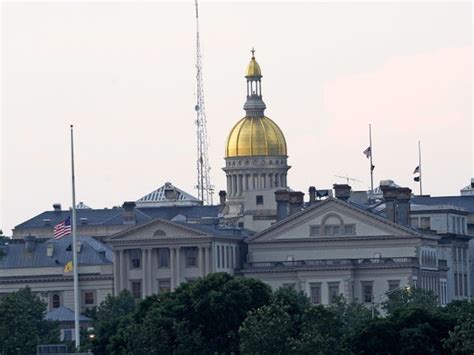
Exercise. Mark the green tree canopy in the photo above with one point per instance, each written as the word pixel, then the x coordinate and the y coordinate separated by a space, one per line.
pixel 22 323
pixel 411 296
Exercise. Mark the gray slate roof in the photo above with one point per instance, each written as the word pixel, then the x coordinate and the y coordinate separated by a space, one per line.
pixel 114 216
pixel 92 252
pixel 64 314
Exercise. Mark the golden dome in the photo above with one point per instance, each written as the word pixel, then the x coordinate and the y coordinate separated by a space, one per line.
pixel 253 69
pixel 253 136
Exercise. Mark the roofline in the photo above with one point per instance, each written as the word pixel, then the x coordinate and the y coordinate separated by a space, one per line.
pixel 342 203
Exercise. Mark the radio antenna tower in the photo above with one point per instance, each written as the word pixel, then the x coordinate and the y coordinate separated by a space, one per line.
pixel 204 186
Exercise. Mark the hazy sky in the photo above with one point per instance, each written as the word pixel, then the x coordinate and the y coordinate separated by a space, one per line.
pixel 123 73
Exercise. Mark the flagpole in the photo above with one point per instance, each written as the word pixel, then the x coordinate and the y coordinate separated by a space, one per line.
pixel 419 166
pixel 74 248
pixel 371 165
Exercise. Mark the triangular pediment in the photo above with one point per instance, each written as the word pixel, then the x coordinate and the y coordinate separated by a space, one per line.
pixel 157 229
pixel 332 218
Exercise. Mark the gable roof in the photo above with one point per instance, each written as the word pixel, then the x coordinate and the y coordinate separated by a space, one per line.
pixel 320 204
pixel 92 252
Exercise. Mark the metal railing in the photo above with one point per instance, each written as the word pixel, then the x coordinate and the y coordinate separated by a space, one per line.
pixel 330 263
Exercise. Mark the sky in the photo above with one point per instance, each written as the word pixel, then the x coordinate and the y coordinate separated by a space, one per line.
pixel 124 74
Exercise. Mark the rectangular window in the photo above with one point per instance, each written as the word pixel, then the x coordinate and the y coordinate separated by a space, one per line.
pixel 333 291
pixel 425 223
pixel 327 230
pixel 137 289
pixel 164 285
pixel 349 229
pixel 218 256
pixel 67 334
pixel 314 231
pixel 259 200
pixel 453 224
pixel 191 256
pixel 227 256
pixel 367 292
pixel 456 293
pixel 393 284
pixel 135 258
pixel 455 254
pixel 315 293
pixel 88 298
pixel 465 285
pixel 414 222
pixel 163 257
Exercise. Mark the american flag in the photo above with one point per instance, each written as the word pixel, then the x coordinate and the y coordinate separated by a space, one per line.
pixel 63 228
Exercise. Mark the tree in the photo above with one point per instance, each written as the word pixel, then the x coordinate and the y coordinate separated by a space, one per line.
pixel 22 323
pixel 461 339
pixel 202 316
pixel 410 296
pixel 108 317
pixel 267 330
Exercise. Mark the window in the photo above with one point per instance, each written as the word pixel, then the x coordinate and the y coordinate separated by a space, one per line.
pixel 349 229
pixel 55 301
pixel 137 289
pixel 425 223
pixel 227 255
pixel 218 256
pixel 414 222
pixel 315 293
pixel 444 293
pixel 191 256
pixel 465 285
pixel 314 231
pixel 163 257
pixel 333 291
pixel 259 200
pixel 367 292
pixel 135 258
pixel 393 284
pixel 456 284
pixel 453 224
pixel 164 285
pixel 88 298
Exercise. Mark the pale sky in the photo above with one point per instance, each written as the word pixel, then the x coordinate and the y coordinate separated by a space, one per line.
pixel 123 73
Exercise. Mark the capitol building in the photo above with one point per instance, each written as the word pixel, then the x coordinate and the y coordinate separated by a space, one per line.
pixel 334 242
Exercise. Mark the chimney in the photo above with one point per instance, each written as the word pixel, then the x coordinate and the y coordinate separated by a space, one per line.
pixel 403 206
pixel 390 197
pixel 129 212
pixel 312 195
pixel 295 200
pixel 30 243
pixel 57 207
pixel 49 249
pixel 281 198
pixel 222 198
pixel 342 191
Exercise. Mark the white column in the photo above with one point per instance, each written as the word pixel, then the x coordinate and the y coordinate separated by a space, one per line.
pixel 173 268
pixel 124 268
pixel 150 272
pixel 208 260
pixel 178 266
pixel 144 262
pixel 116 272
pixel 200 261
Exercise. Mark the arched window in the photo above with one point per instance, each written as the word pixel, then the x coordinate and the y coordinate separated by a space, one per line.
pixel 159 233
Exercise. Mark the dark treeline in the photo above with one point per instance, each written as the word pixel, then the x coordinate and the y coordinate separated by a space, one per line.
pixel 222 314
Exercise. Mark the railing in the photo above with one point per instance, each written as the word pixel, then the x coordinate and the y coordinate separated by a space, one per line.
pixel 330 263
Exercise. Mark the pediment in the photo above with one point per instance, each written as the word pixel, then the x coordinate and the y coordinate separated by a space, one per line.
pixel 332 218
pixel 156 230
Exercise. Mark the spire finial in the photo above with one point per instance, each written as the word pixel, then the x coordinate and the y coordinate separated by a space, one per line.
pixel 253 53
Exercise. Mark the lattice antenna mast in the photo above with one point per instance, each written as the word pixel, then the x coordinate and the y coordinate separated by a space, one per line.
pixel 204 186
